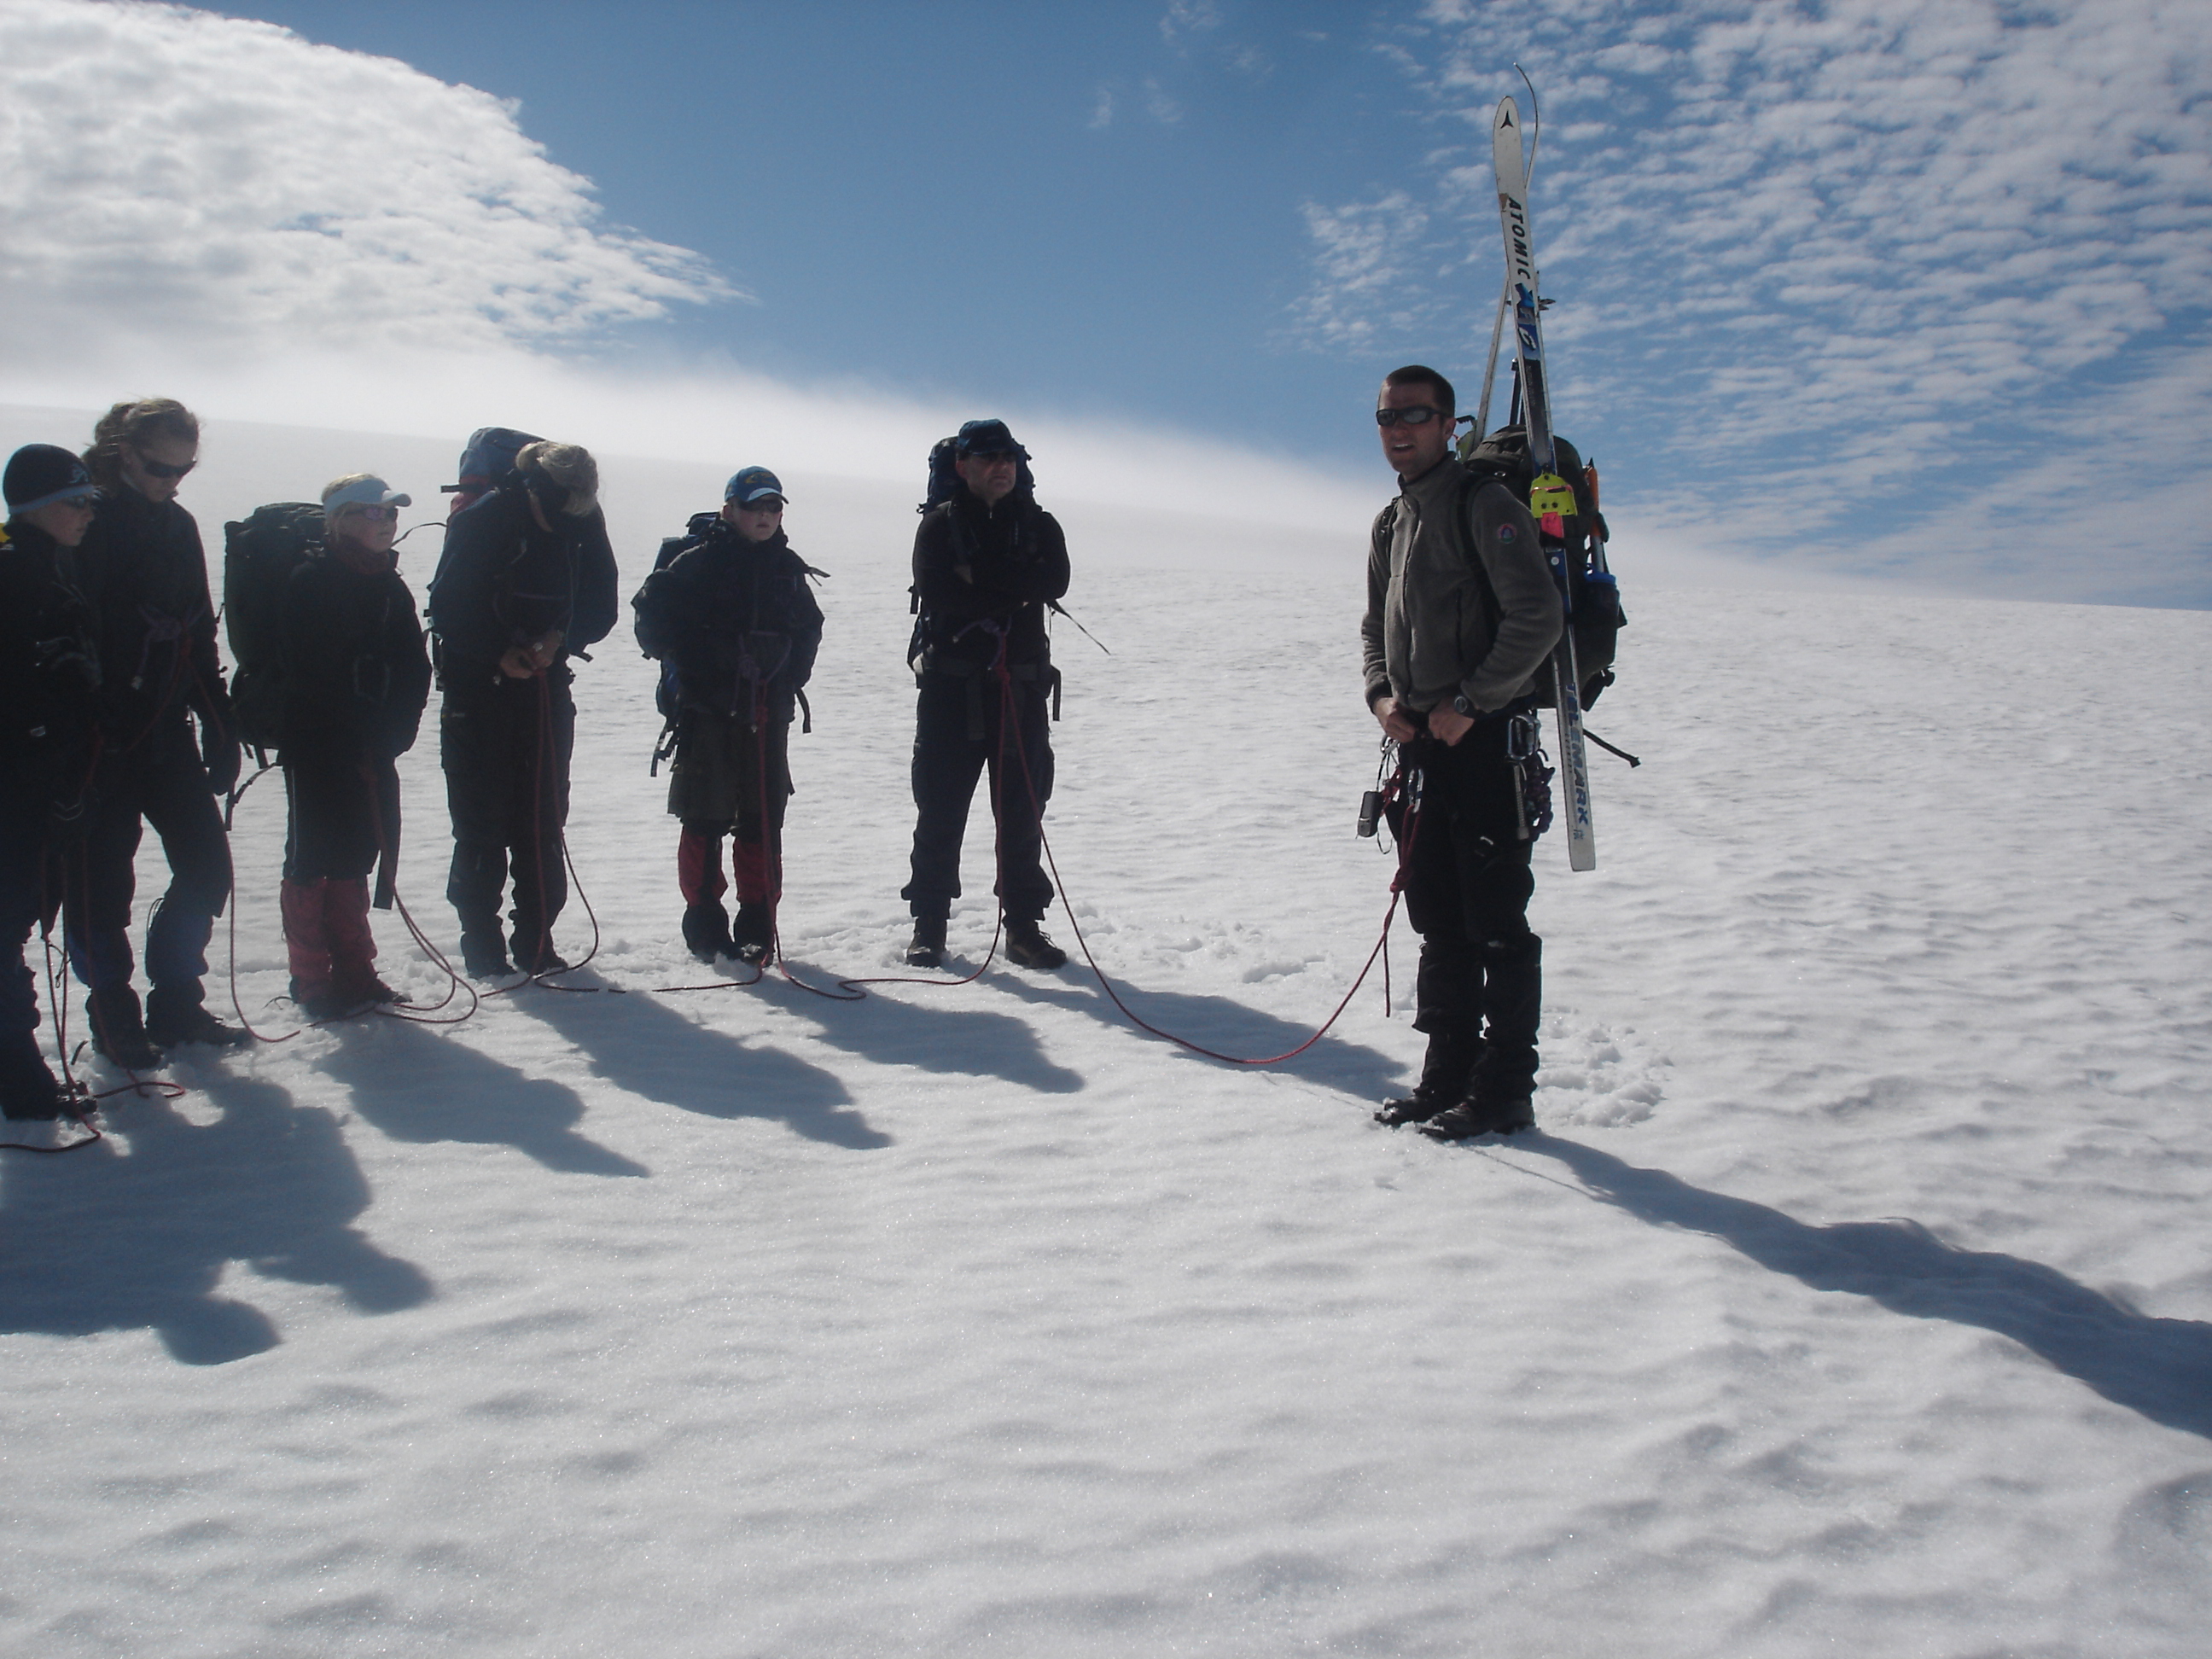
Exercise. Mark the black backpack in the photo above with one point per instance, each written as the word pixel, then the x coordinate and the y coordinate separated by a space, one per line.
pixel 487 462
pixel 668 693
pixel 945 477
pixel 1593 595
pixel 259 554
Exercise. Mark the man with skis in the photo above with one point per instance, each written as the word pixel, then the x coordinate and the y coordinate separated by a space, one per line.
pixel 1461 612
pixel 49 679
pixel 729 612
pixel 987 560
pixel 527 580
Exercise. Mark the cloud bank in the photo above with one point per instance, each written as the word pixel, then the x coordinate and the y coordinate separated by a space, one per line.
pixel 277 231
pixel 1868 278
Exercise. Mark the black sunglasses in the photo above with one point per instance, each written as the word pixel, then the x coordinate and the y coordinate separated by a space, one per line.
pixel 155 470
pixel 1419 414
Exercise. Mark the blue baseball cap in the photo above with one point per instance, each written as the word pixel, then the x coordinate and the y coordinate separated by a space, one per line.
pixel 754 483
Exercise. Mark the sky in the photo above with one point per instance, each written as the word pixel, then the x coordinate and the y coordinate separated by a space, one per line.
pixel 1911 291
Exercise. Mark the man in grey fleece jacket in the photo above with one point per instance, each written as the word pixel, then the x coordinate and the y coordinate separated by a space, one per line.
pixel 1450 654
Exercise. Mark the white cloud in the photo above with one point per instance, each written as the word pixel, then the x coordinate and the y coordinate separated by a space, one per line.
pixel 1102 112
pixel 178 175
pixel 1160 105
pixel 1884 258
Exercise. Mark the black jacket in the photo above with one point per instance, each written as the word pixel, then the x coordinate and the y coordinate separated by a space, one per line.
pixel 355 671
pixel 144 571
pixel 502 582
pixel 49 666
pixel 982 571
pixel 725 610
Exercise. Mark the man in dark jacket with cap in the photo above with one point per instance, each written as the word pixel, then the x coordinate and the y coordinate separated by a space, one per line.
pixel 49 679
pixel 527 580
pixel 730 612
pixel 986 563
pixel 145 573
pixel 1460 613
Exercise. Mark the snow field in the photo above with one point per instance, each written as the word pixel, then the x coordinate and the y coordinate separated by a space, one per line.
pixel 1854 1299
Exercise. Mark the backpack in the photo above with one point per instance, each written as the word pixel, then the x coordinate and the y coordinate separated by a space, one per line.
pixel 1593 595
pixel 486 462
pixel 668 693
pixel 259 554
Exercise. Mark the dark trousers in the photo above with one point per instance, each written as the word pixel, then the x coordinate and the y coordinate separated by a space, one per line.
pixel 959 731
pixel 159 781
pixel 505 745
pixel 343 808
pixel 1467 888
pixel 30 893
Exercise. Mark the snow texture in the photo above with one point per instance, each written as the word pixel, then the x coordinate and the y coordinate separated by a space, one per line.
pixel 1853 1297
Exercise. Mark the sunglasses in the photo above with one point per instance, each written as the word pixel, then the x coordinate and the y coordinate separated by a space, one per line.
pixel 155 470
pixel 765 504
pixel 360 510
pixel 1419 414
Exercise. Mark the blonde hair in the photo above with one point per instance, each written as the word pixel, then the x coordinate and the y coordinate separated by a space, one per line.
pixel 337 484
pixel 133 423
pixel 568 466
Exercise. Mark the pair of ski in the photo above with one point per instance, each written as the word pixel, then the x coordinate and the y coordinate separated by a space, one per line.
pixel 1549 497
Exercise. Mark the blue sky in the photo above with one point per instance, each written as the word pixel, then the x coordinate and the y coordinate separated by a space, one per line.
pixel 1870 285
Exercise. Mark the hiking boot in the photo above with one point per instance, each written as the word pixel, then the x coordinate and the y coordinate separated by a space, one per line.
pixel 1476 1116
pixel 927 948
pixel 544 960
pixel 29 1091
pixel 119 1032
pixel 1028 946
pixel 752 935
pixel 483 955
pixel 706 930
pixel 171 1025
pixel 1445 1071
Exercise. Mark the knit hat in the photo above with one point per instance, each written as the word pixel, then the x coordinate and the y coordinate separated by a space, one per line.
pixel 41 474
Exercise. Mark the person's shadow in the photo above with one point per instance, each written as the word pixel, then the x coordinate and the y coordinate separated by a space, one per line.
pixel 417 1084
pixel 108 1240
pixel 640 1044
pixel 932 1033
pixel 2161 1368
pixel 1227 1027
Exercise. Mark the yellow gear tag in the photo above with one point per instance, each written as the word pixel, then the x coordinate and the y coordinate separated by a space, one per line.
pixel 1548 494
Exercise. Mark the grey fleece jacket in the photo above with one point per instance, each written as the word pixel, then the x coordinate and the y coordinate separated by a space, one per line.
pixel 1430 632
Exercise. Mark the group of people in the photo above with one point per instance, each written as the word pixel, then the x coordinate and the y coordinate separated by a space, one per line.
pixel 118 715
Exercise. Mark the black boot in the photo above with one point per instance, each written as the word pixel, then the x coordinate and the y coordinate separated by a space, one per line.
pixel 706 930
pixel 753 934
pixel 1445 1071
pixel 118 1031
pixel 27 1089
pixel 927 948
pixel 175 1015
pixel 1029 946
pixel 1480 1114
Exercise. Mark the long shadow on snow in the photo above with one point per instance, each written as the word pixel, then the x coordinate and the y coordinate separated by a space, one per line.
pixel 1223 1024
pixel 933 1033
pixel 104 1240
pixel 417 1084
pixel 640 1044
pixel 2161 1368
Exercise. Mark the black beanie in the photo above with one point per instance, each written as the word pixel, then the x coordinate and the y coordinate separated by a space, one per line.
pixel 40 473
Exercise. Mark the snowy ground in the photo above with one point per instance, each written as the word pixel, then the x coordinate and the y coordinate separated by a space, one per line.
pixel 1855 1298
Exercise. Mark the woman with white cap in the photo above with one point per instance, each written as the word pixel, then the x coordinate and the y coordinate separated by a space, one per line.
pixel 356 675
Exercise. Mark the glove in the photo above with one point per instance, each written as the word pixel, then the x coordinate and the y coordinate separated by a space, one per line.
pixel 219 753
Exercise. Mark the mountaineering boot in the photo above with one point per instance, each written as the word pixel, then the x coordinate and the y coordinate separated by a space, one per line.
pixel 534 952
pixel 307 949
pixel 753 934
pixel 1445 1071
pixel 1479 1114
pixel 353 945
pixel 175 1016
pixel 117 1030
pixel 27 1089
pixel 1029 946
pixel 706 930
pixel 927 948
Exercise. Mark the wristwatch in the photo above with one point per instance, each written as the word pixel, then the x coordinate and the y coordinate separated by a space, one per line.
pixel 1464 707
